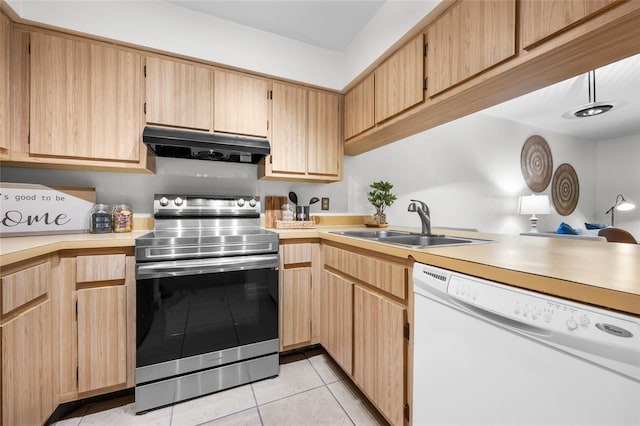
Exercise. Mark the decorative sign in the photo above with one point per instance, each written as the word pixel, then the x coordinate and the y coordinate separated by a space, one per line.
pixel 28 209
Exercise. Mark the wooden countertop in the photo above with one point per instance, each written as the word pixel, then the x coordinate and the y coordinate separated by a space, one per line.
pixel 593 272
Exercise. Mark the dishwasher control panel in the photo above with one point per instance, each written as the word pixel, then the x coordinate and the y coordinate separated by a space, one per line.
pixel 528 311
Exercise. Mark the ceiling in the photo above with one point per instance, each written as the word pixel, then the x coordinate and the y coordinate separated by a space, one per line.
pixel 617 82
pixel 334 24
pixel 328 24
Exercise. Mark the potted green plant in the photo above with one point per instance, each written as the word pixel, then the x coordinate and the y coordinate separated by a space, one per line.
pixel 381 197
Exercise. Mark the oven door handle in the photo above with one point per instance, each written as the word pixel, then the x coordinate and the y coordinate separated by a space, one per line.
pixel 205 266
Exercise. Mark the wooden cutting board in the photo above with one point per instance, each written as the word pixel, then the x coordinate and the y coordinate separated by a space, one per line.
pixel 272 212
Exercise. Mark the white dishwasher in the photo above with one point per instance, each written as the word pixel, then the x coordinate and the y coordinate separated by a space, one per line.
pixel 491 354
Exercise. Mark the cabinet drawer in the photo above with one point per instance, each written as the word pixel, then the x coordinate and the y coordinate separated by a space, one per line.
pixel 24 286
pixel 100 268
pixel 379 273
pixel 296 253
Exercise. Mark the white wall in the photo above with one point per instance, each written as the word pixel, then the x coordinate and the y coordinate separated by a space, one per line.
pixel 388 25
pixel 618 172
pixel 468 172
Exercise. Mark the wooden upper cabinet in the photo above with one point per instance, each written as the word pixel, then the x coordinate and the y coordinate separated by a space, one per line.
pixel 324 153
pixel 288 129
pixel 5 47
pixel 399 81
pixel 540 19
pixel 358 108
pixel 469 38
pixel 240 104
pixel 306 143
pixel 85 100
pixel 179 94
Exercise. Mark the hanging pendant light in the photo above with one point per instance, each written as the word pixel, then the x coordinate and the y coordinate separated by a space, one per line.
pixel 594 107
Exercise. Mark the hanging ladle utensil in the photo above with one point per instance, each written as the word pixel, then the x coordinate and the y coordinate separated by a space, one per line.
pixel 293 197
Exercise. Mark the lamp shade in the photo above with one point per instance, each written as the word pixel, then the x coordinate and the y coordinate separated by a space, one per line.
pixel 534 204
pixel 625 206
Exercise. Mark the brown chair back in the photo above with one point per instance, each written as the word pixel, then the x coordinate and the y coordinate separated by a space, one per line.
pixel 617 235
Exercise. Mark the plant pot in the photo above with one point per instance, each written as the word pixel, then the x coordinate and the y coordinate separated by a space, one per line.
pixel 379 219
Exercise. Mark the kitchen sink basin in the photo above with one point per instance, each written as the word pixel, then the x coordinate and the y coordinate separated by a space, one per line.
pixel 412 240
pixel 372 235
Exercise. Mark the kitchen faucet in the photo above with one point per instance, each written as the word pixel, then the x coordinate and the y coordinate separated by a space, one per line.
pixel 423 212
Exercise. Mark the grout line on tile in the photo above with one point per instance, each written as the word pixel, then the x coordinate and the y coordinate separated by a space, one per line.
pixel 289 396
pixel 257 407
pixel 229 415
pixel 341 406
pixel 171 415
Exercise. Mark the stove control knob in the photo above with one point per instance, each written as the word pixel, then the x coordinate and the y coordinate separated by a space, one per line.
pixel 252 202
pixel 178 201
pixel 241 202
pixel 164 201
pixel 572 324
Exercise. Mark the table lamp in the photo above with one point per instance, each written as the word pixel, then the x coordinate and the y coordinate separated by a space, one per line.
pixel 533 205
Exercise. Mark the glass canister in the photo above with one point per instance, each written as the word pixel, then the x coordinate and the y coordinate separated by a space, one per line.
pixel 287 212
pixel 122 218
pixel 100 219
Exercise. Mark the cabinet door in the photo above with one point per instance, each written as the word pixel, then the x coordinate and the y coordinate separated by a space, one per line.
pixel 296 306
pixel 323 137
pixel 378 351
pixel 288 129
pixel 101 338
pixel 469 38
pixel 5 47
pixel 179 94
pixel 240 104
pixel 399 81
pixel 337 319
pixel 358 108
pixel 28 394
pixel 27 368
pixel 541 19
pixel 85 100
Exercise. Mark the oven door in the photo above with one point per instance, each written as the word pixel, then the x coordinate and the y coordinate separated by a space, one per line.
pixel 202 313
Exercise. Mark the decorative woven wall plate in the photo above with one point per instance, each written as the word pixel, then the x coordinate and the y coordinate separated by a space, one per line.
pixel 536 163
pixel 565 189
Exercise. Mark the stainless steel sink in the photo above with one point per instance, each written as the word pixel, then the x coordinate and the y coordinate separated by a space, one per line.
pixel 412 240
pixel 371 235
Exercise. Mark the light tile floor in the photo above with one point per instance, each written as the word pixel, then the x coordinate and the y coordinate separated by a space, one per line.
pixel 310 390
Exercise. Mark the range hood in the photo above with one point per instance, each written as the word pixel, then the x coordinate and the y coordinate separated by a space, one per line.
pixel 178 143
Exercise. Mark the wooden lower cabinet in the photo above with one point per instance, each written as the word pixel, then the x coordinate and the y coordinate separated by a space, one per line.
pixel 364 315
pixel 379 351
pixel 101 294
pixel 337 319
pixel 102 359
pixel 95 324
pixel 295 300
pixel 299 299
pixel 28 396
